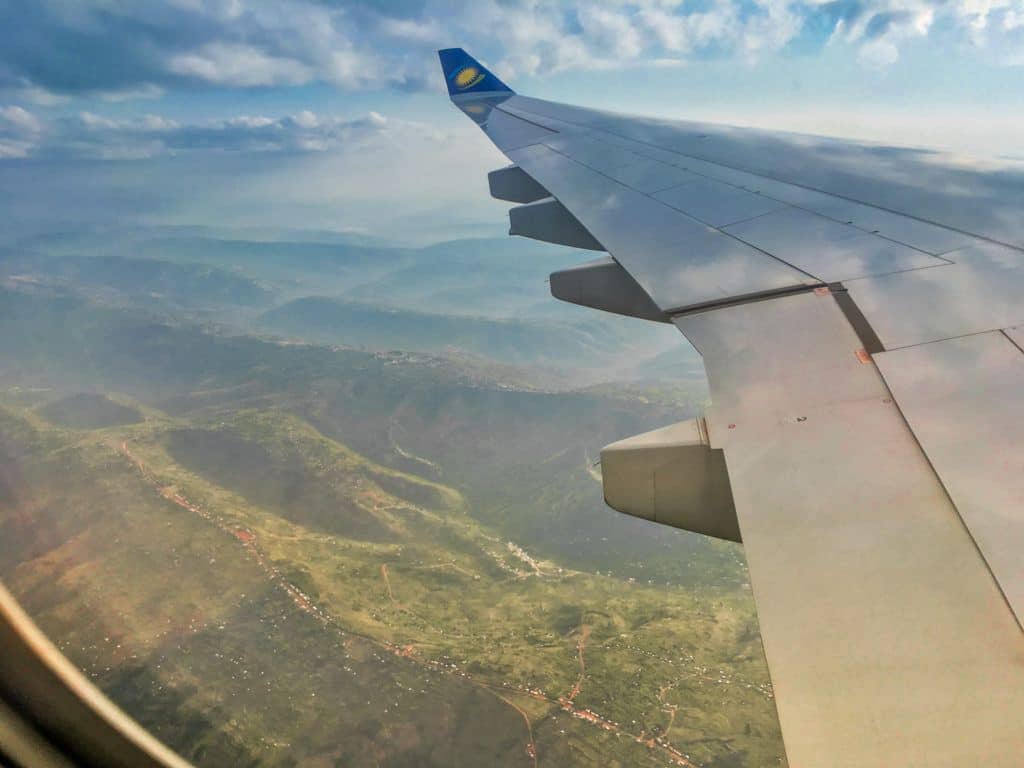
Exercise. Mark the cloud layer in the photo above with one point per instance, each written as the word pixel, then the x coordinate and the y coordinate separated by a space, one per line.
pixel 87 135
pixel 55 48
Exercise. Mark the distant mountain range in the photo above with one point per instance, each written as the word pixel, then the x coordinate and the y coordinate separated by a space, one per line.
pixel 482 298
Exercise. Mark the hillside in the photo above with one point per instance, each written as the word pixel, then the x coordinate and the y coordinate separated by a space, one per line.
pixel 387 406
pixel 188 284
pixel 512 341
pixel 291 554
pixel 485 299
pixel 257 592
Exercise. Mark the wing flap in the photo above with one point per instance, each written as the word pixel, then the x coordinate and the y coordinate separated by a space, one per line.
pixel 514 185
pixel 603 284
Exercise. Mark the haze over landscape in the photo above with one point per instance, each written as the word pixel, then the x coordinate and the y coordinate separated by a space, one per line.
pixel 283 528
pixel 298 454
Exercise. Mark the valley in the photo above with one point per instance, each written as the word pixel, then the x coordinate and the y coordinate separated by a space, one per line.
pixel 294 553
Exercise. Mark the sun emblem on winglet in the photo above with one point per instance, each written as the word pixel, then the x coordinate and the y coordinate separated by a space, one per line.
pixel 467 77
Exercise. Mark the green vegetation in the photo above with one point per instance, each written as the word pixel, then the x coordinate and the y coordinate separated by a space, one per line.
pixel 483 300
pixel 89 411
pixel 514 341
pixel 196 579
pixel 288 554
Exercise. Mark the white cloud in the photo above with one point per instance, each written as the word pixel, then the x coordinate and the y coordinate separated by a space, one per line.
pixel 878 53
pixel 681 34
pixel 996 27
pixel 38 96
pixel 537 38
pixel 882 26
pixel 306 119
pixel 141 50
pixel 91 135
pixel 614 32
pixel 20 132
pixel 239 65
pixel 158 123
pixel 92 121
pixel 420 30
pixel 20 119
pixel 141 91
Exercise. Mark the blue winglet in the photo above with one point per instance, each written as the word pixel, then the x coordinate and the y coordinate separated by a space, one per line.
pixel 464 74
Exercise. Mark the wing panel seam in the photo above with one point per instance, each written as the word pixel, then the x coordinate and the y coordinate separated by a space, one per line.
pixel 942 484
pixel 683 213
pixel 809 188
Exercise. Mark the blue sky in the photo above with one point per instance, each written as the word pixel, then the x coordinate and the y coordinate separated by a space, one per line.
pixel 333 115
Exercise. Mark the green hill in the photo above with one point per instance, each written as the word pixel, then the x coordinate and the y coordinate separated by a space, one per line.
pixel 289 554
pixel 256 592
pixel 512 341
pixel 89 411
pixel 389 407
pixel 485 298
pixel 186 283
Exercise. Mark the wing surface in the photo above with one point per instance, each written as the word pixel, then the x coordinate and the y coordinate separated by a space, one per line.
pixel 858 310
pixel 888 639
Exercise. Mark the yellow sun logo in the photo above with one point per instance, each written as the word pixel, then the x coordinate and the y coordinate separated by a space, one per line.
pixel 467 77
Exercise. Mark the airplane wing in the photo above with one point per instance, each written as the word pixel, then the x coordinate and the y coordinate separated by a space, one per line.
pixel 859 312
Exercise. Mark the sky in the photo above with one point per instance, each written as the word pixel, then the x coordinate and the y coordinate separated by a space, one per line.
pixel 333 115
